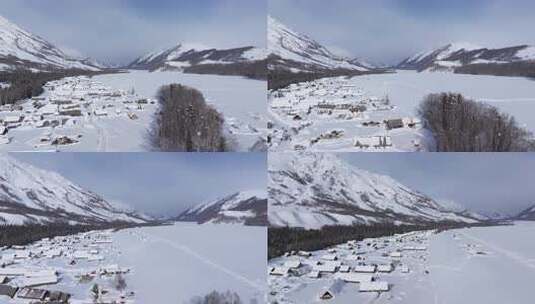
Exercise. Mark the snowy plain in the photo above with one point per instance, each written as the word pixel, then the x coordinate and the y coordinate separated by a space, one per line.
pixel 405 90
pixel 485 265
pixel 172 264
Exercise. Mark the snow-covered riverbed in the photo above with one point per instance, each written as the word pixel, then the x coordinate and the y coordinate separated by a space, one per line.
pixel 489 265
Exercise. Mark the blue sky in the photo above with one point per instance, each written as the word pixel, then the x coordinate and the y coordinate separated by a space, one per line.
pixel 480 181
pixel 157 183
pixel 120 30
pixel 388 31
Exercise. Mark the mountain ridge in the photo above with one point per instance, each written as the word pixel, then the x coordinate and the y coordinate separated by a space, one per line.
pixel 456 55
pixel 296 52
pixel 20 49
pixel 29 195
pixel 243 207
pixel 312 190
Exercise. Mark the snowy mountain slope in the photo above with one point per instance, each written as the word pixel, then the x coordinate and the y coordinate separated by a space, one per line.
pixel 21 49
pixel 289 50
pixel 528 214
pixel 32 195
pixel 186 55
pixel 460 54
pixel 312 190
pixel 246 207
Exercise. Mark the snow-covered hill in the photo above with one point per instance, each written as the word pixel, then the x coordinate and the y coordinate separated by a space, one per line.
pixel 290 50
pixel 246 207
pixel 456 55
pixel 528 214
pixel 186 55
pixel 312 190
pixel 32 195
pixel 20 49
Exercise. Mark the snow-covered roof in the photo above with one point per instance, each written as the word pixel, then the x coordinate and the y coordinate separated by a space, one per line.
pixel 364 268
pixel 373 286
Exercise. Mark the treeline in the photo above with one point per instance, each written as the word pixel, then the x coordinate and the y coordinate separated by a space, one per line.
pixel 520 69
pixel 25 234
pixel 253 70
pixel 186 123
pixel 285 239
pixel 25 84
pixel 464 125
pixel 278 78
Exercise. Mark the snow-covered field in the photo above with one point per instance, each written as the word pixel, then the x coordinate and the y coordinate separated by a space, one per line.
pixel 477 265
pixel 313 129
pixel 242 101
pixel 113 118
pixel 165 264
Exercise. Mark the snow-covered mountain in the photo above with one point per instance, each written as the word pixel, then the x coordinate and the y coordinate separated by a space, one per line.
pixel 246 207
pixel 32 195
pixel 312 190
pixel 20 49
pixel 527 215
pixel 290 50
pixel 456 55
pixel 186 55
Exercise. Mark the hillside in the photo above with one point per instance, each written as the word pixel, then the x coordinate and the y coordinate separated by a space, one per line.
pixel 312 190
pixel 20 49
pixel 292 51
pixel 527 214
pixel 29 195
pixel 247 207
pixel 243 61
pixel 461 55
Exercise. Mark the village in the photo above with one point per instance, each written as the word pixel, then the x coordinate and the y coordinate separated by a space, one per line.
pixel 65 269
pixel 71 111
pixel 335 114
pixel 393 269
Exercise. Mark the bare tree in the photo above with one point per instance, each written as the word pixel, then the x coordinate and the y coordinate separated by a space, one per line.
pixel 463 125
pixel 215 297
pixel 186 123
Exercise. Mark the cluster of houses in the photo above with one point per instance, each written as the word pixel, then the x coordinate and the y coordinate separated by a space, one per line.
pixel 323 104
pixel 364 266
pixel 38 272
pixel 69 102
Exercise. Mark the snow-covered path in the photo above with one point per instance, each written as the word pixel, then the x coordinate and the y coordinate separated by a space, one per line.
pixel 483 265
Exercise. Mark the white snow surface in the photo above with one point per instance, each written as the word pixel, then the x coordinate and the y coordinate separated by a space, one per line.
pixel 190 260
pixel 311 190
pixel 483 265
